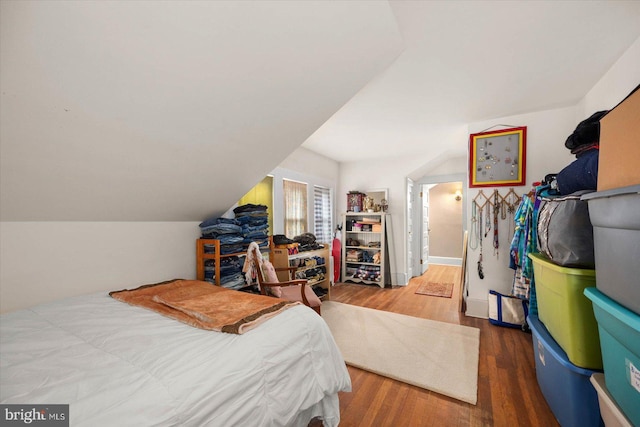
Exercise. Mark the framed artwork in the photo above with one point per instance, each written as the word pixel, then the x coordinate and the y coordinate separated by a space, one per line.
pixel 498 158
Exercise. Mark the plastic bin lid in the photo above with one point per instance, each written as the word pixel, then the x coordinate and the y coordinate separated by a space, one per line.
pixel 620 191
pixel 616 310
pixel 542 259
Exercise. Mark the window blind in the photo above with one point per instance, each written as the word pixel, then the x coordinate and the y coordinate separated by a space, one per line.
pixel 322 214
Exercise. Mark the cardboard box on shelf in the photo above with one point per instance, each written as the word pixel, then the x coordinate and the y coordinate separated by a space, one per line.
pixel 619 148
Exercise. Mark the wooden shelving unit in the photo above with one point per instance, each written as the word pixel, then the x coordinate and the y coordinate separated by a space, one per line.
pixel 281 258
pixel 201 257
pixel 364 235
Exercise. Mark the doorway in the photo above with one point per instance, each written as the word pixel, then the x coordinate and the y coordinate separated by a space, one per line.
pixel 439 210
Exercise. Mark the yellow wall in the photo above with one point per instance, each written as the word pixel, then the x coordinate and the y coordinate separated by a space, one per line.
pixel 261 194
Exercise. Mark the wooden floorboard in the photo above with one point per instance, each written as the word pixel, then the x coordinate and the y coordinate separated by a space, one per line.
pixel 508 392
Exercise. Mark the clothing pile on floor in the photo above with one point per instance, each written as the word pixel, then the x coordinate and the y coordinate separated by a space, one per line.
pixel 235 234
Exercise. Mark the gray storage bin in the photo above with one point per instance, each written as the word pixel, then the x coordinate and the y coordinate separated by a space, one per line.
pixel 615 215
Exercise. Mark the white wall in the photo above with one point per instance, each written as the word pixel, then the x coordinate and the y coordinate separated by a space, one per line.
pixel 45 261
pixel 546 153
pixel 392 173
pixel 546 133
pixel 304 166
pixel 614 86
pixel 314 164
pixel 389 174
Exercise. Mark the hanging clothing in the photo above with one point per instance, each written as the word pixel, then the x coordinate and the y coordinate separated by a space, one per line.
pixel 524 242
pixel 581 174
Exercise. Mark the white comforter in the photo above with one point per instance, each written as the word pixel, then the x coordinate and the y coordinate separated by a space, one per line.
pixel 119 365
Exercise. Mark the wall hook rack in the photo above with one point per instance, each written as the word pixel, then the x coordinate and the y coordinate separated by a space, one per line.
pixel 481 197
pixel 512 200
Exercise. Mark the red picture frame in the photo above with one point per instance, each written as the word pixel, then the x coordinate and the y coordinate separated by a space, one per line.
pixel 498 158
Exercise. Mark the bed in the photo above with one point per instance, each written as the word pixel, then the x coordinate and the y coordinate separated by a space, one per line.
pixel 117 364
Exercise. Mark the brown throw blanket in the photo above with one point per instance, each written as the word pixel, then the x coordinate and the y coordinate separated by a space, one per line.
pixel 206 306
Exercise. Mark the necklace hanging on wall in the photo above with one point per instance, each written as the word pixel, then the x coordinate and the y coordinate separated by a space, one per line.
pixel 487 220
pixel 473 241
pixel 496 209
pixel 480 201
pixel 511 201
pixel 480 271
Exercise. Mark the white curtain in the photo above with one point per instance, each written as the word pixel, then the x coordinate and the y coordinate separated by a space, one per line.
pixel 295 208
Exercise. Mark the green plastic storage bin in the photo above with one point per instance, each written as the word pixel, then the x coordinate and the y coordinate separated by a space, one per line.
pixel 619 330
pixel 566 312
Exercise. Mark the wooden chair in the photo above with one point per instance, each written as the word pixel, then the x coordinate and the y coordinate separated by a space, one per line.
pixel 291 290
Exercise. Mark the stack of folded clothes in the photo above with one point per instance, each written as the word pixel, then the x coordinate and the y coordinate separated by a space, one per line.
pixel 354 255
pixel 254 221
pixel 307 242
pixel 367 257
pixel 227 230
pixel 231 275
pixel 235 234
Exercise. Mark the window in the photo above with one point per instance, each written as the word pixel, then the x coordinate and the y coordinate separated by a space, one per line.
pixel 322 213
pixel 295 208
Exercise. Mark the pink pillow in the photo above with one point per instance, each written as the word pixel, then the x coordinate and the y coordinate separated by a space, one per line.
pixel 270 275
pixel 292 293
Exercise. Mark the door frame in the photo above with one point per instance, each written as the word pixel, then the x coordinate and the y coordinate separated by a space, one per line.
pixel 409 227
pixel 423 256
pixel 417 213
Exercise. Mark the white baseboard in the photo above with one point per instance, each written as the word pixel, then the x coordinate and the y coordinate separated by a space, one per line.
pixel 399 279
pixel 477 308
pixel 442 260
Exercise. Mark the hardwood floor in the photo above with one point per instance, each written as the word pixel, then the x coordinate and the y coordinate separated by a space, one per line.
pixel 508 392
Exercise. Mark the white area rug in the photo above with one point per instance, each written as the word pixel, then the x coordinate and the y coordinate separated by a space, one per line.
pixel 437 356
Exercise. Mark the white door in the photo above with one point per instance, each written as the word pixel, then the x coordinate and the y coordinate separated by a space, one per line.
pixel 424 256
pixel 409 228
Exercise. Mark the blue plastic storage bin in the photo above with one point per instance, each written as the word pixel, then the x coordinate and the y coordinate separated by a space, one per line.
pixel 566 387
pixel 619 330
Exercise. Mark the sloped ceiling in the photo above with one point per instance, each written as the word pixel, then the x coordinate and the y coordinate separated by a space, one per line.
pixel 170 111
pixel 470 61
